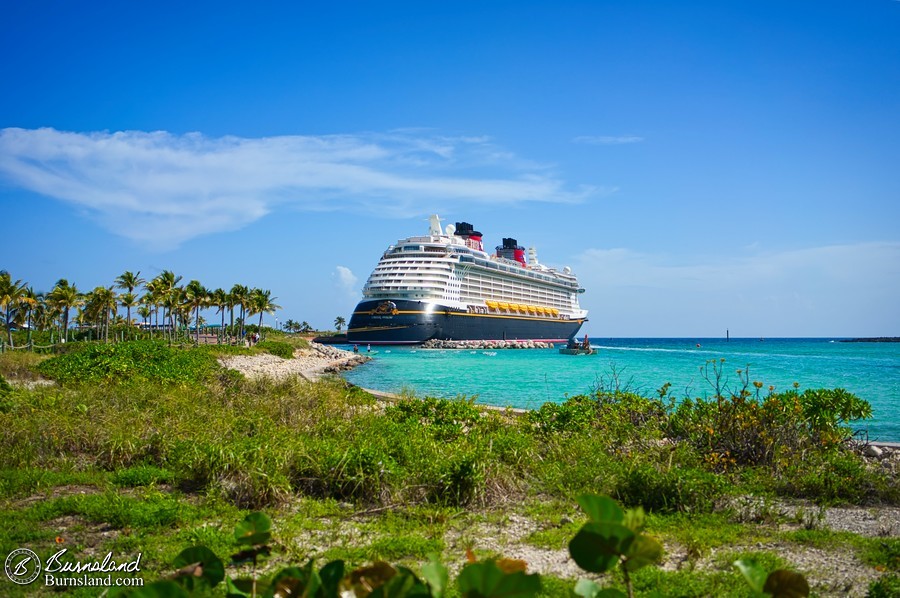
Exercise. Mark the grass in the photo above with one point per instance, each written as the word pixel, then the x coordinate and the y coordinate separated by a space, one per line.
pixel 20 365
pixel 161 449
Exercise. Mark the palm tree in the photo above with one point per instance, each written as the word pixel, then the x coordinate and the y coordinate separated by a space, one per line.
pixel 153 299
pixel 166 284
pixel 262 302
pixel 239 295
pixel 64 297
pixel 128 300
pixel 102 303
pixel 41 314
pixel 10 293
pixel 196 296
pixel 28 302
pixel 219 299
pixel 172 301
pixel 129 281
pixel 305 327
pixel 289 325
pixel 339 322
pixel 145 311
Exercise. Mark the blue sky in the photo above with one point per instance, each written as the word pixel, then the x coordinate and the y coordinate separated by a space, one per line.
pixel 700 165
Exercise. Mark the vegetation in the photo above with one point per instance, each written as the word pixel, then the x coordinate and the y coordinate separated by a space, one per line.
pixel 611 537
pixel 167 310
pixel 152 441
pixel 166 449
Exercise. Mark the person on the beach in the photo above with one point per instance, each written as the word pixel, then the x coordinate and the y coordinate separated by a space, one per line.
pixel 356 348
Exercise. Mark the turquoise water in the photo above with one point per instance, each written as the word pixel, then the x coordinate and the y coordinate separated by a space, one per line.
pixel 529 378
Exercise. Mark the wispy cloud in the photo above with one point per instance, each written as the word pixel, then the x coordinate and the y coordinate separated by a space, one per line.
pixel 345 279
pixel 837 289
pixel 162 189
pixel 607 139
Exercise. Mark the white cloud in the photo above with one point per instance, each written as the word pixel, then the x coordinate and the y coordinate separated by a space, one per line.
pixel 847 290
pixel 345 279
pixel 607 139
pixel 161 189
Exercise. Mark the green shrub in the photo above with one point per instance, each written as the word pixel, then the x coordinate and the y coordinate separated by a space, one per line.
pixel 576 414
pixel 743 430
pixel 444 419
pixel 277 348
pixel 141 475
pixel 833 475
pixel 456 480
pixel 677 489
pixel 131 361
pixel 19 365
pixel 70 347
pixel 886 587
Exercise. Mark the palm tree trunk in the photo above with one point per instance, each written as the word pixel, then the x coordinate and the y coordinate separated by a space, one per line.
pixel 9 324
pixel 197 336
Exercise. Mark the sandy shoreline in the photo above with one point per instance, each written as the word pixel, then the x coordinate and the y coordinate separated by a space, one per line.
pixel 309 363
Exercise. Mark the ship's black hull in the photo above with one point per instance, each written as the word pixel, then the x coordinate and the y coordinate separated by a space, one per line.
pixel 380 322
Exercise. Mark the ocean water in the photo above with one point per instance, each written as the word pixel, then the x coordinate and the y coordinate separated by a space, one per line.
pixel 529 378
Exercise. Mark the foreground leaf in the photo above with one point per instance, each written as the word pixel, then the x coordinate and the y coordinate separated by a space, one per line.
pixel 436 576
pixel 367 579
pixel 487 580
pixel 753 573
pixel 601 509
pixel 590 589
pixel 597 547
pixel 197 566
pixel 643 551
pixel 786 584
pixel 256 528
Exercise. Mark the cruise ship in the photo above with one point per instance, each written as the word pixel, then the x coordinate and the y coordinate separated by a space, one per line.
pixel 446 286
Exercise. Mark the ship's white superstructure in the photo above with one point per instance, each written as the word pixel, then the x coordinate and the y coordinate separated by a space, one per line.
pixel 451 268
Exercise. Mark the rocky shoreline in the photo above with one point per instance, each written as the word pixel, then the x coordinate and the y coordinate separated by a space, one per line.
pixel 309 363
pixel 442 344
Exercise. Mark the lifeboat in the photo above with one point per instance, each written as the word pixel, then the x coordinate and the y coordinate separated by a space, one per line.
pixel 491 304
pixel 513 307
pixel 504 305
pixel 541 311
pixel 554 311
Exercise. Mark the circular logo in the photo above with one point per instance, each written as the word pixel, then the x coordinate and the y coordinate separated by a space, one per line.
pixel 22 566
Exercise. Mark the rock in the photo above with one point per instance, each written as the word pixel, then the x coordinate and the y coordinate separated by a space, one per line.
pixel 873 451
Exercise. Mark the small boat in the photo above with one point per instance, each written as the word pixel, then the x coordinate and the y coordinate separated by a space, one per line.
pixel 577 351
pixel 576 348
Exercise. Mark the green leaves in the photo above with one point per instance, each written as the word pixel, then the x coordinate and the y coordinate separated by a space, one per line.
pixel 133 361
pixel 198 567
pixel 601 509
pixel 488 580
pixel 590 589
pixel 779 584
pixel 597 547
pixel 255 529
pixel 612 536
